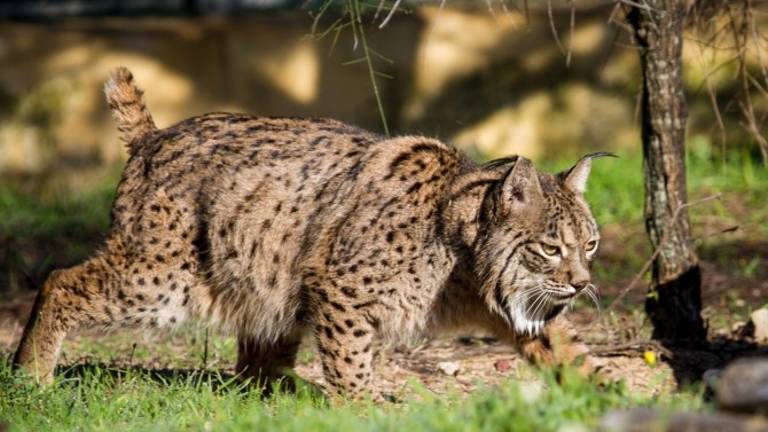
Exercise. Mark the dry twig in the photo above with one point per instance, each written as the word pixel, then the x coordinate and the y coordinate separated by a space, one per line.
pixel 634 346
pixel 390 14
pixel 662 240
pixel 553 28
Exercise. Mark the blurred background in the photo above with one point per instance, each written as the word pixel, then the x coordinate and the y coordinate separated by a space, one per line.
pixel 493 83
pixel 492 78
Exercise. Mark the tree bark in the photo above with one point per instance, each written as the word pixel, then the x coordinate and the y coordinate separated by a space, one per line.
pixel 674 298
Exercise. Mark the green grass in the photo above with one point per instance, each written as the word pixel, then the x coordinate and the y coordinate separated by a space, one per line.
pixel 616 192
pixel 44 230
pixel 99 400
pixel 52 212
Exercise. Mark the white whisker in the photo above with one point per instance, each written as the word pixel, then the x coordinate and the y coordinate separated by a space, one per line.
pixel 591 291
pixel 541 302
pixel 529 305
pixel 543 306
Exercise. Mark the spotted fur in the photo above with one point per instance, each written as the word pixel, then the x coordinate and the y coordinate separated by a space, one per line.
pixel 274 228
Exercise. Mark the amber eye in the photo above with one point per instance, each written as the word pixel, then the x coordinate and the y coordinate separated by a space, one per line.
pixel 590 246
pixel 550 250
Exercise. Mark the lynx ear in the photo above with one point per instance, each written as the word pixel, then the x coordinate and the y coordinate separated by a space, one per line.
pixel 521 186
pixel 575 178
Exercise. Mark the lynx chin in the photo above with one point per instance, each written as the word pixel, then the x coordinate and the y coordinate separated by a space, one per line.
pixel 275 228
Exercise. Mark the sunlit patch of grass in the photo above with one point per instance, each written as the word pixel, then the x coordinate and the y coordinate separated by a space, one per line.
pixel 101 399
pixel 188 346
pixel 615 190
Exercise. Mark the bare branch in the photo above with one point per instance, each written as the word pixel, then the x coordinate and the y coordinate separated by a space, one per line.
pixel 716 109
pixel 751 126
pixel 634 346
pixel 379 7
pixel 553 27
pixel 570 37
pixel 730 229
pixel 390 14
pixel 527 13
pixel 635 4
pixel 490 8
pixel 662 241
pixel 357 27
pixel 713 101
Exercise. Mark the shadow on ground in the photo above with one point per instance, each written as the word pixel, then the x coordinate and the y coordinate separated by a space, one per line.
pixel 217 380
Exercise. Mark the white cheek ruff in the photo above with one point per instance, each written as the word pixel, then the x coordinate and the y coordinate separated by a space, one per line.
pixel 522 323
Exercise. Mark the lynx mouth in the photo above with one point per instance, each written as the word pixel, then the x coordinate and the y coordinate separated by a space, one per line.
pixel 566 293
pixel 562 298
pixel 530 320
pixel 554 311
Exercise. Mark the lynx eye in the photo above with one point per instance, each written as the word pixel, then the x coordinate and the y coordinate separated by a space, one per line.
pixel 590 246
pixel 550 250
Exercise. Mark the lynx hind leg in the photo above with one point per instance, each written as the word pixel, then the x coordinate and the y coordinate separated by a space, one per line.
pixel 96 294
pixel 69 299
pixel 267 362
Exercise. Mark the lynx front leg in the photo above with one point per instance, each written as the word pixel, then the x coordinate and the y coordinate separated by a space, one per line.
pixel 344 340
pixel 557 345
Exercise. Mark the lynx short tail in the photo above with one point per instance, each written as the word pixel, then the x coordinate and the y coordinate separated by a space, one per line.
pixel 126 101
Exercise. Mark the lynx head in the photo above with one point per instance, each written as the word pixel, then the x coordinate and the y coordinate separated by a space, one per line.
pixel 538 239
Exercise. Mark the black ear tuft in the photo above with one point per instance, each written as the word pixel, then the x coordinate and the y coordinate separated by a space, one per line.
pixel 599 155
pixel 575 178
pixel 495 163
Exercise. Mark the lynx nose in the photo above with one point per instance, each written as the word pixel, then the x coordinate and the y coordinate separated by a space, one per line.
pixel 580 279
pixel 579 285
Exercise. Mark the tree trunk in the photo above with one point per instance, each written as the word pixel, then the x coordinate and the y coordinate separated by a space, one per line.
pixel 674 299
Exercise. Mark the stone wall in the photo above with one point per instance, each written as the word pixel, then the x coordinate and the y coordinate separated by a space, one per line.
pixel 493 84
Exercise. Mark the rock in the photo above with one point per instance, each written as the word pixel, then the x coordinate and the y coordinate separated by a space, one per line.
pixel 531 391
pixel 449 368
pixel 502 365
pixel 759 319
pixel 743 386
pixel 710 378
pixel 644 419
pixel 573 427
